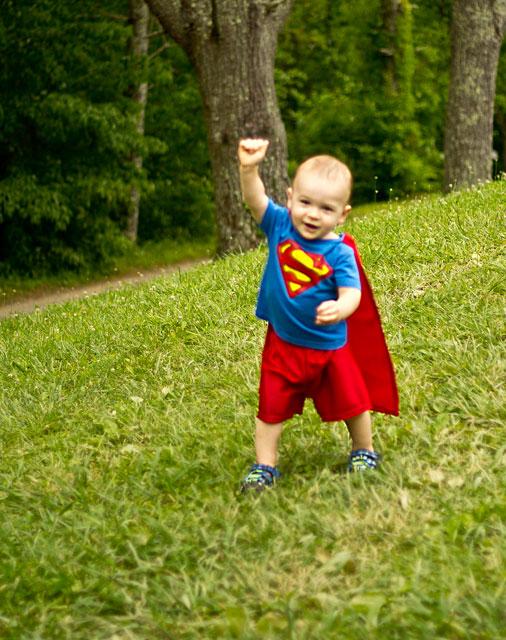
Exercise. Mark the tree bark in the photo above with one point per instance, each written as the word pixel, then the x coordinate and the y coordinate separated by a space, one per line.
pixel 138 15
pixel 390 11
pixel 477 33
pixel 232 45
pixel 396 16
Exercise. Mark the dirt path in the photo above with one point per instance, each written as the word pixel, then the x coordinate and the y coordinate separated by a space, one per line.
pixel 30 303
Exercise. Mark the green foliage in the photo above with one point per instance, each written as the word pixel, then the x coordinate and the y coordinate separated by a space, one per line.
pixel 350 90
pixel 69 132
pixel 346 86
pixel 180 203
pixel 500 115
pixel 127 424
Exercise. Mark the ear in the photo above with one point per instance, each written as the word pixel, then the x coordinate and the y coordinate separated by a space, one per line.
pixel 344 214
pixel 289 194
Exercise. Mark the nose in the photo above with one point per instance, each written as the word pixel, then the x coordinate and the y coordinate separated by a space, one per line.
pixel 312 212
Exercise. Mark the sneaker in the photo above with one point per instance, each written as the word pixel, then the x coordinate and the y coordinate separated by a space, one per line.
pixel 363 460
pixel 260 477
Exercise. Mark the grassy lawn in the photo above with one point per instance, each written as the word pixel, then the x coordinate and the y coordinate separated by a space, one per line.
pixel 126 424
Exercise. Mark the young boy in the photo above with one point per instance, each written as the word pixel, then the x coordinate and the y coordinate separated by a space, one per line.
pixel 313 282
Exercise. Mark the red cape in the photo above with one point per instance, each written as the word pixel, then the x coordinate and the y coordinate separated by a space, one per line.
pixel 369 347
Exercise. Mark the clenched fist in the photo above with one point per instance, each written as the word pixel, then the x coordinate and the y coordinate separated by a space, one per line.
pixel 252 151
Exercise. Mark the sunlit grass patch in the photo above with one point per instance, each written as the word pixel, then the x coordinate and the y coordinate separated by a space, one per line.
pixel 126 424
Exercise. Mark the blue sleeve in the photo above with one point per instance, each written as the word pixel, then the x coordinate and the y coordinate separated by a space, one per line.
pixel 273 215
pixel 346 270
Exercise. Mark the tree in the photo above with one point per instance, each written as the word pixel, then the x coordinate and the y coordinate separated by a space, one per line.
pixel 232 45
pixel 397 30
pixel 364 81
pixel 138 16
pixel 477 31
pixel 66 133
pixel 71 148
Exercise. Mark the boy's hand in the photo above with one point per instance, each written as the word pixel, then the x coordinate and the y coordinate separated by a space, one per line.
pixel 329 312
pixel 332 311
pixel 252 151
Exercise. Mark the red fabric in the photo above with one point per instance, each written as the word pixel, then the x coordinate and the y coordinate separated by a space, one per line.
pixel 368 344
pixel 290 374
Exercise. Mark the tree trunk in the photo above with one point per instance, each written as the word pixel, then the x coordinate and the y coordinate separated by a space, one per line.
pixel 390 10
pixel 138 15
pixel 396 16
pixel 232 44
pixel 477 32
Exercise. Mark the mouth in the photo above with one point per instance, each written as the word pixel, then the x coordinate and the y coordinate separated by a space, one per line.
pixel 310 227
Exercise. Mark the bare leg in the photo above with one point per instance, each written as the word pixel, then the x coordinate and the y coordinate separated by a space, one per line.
pixel 360 431
pixel 266 442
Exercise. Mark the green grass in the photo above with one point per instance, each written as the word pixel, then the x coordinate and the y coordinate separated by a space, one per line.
pixel 143 257
pixel 127 423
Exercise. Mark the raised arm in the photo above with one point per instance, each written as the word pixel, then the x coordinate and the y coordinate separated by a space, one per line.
pixel 251 152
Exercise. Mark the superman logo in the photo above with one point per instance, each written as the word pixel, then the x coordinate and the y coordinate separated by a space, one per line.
pixel 301 270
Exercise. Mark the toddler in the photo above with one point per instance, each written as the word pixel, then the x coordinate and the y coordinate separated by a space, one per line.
pixel 312 288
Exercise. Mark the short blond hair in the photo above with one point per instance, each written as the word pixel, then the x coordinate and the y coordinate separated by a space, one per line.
pixel 330 168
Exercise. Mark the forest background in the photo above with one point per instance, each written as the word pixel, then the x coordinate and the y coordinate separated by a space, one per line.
pixel 70 136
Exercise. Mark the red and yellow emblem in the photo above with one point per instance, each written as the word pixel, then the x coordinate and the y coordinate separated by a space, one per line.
pixel 301 270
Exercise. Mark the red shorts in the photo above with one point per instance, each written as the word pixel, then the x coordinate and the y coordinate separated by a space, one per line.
pixel 290 374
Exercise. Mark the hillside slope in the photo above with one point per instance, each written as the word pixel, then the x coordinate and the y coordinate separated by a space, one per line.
pixel 127 423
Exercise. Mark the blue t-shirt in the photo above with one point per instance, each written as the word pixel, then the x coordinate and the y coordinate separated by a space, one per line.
pixel 299 275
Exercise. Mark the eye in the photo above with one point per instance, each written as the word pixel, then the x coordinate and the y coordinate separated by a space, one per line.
pixel 304 201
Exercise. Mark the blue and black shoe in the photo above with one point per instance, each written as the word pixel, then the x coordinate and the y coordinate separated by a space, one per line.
pixel 260 477
pixel 363 460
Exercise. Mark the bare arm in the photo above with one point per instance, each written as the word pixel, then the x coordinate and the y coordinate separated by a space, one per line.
pixel 332 311
pixel 251 152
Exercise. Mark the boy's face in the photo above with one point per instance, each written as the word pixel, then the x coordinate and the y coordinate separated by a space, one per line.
pixel 317 205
